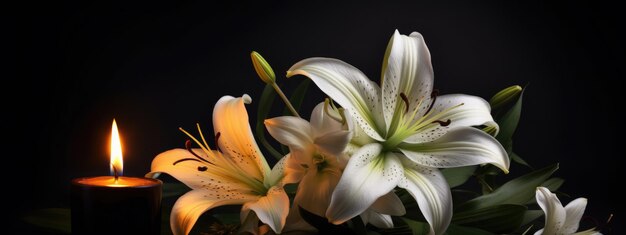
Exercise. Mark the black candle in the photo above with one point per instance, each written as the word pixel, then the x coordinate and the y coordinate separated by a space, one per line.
pixel 102 205
pixel 116 204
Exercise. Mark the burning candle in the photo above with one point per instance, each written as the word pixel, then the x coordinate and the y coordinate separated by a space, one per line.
pixel 116 204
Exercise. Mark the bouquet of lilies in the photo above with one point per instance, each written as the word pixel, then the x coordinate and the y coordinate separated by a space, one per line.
pixel 392 158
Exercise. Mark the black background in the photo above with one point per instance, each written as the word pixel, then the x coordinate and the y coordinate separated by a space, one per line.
pixel 157 66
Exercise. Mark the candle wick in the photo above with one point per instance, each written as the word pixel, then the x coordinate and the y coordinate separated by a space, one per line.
pixel 115 174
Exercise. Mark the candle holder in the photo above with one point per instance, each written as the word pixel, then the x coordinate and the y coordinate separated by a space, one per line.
pixel 126 205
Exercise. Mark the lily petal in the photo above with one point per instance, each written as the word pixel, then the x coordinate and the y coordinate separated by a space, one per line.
pixel 321 121
pixel 271 209
pixel 427 134
pixel 230 120
pixel 333 143
pixel 316 188
pixel 389 204
pixel 461 146
pixel 367 177
pixel 552 207
pixel 407 69
pixel 193 173
pixel 573 213
pixel 194 203
pixel 377 219
pixel 349 87
pixel 286 171
pixel 292 131
pixel 431 192
pixel 473 110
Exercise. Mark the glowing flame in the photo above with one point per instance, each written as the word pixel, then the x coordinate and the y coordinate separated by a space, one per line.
pixel 117 164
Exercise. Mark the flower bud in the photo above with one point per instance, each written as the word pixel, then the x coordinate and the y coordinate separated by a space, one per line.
pixel 262 68
pixel 505 96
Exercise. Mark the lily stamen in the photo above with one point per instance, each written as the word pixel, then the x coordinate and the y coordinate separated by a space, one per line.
pixel 433 96
pixel 206 148
pixel 406 102
pixel 185 159
pixel 443 123
pixel 327 111
pixel 188 147
pixel 424 121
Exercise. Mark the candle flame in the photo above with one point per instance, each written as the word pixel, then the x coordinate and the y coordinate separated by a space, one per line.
pixel 117 164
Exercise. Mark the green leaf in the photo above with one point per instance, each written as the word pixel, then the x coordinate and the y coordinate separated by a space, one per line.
pixel 227 218
pixel 53 219
pixel 174 189
pixel 508 122
pixel 531 215
pixel 462 230
pixel 265 104
pixel 519 160
pixel 497 219
pixel 517 191
pixel 421 228
pixel 459 175
pixel 553 183
pixel 418 228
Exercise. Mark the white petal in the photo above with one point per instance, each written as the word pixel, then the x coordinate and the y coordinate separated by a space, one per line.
pixel 552 207
pixel 194 203
pixel 271 209
pixel 367 177
pixel 407 69
pixel 389 204
pixel 428 134
pixel 461 146
pixel 349 87
pixel 230 119
pixel 358 137
pixel 431 192
pixel 194 173
pixel 474 111
pixel 292 131
pixel 333 143
pixel 377 219
pixel 321 121
pixel 286 171
pixel 573 212
pixel 539 232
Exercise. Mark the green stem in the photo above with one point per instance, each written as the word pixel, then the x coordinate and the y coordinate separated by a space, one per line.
pixel 287 102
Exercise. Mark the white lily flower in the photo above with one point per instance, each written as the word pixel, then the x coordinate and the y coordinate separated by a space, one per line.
pixel 318 146
pixel 403 131
pixel 236 173
pixel 561 220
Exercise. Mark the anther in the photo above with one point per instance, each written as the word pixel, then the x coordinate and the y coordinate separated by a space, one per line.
pixel 443 123
pixel 188 147
pixel 185 159
pixel 406 102
pixel 433 96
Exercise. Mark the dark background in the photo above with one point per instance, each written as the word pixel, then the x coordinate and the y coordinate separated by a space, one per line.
pixel 156 67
